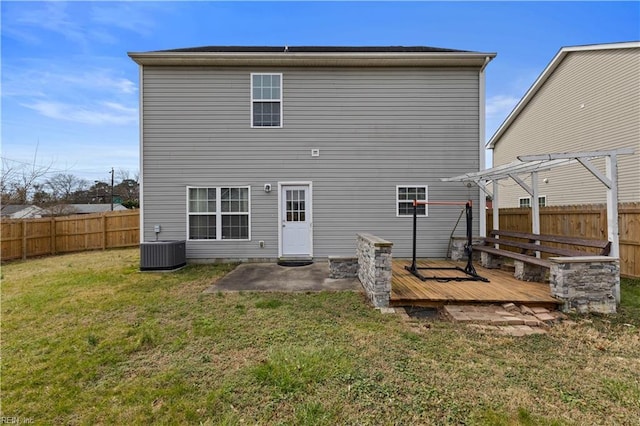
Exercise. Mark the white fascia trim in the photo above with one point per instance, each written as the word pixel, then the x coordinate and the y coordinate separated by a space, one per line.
pixel 141 160
pixel 551 67
pixel 603 46
pixel 482 216
pixel 311 58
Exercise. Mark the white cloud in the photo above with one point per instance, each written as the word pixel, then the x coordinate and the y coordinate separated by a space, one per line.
pixel 97 114
pixel 72 93
pixel 82 23
pixel 125 16
pixel 51 16
pixel 497 109
pixel 500 106
pixel 96 79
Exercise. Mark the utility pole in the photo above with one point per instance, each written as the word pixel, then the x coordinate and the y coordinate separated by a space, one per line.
pixel 112 189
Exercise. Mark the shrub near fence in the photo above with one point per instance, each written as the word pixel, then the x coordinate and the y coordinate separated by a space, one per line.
pixel 37 237
pixel 586 221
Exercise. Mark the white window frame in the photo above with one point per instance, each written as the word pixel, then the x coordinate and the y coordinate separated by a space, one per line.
pixel 265 100
pixel 219 213
pixel 524 202
pixel 398 201
pixel 528 199
pixel 544 199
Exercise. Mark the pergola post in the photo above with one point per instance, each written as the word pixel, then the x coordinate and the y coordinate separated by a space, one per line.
pixel 612 205
pixel 611 164
pixel 496 207
pixel 535 207
pixel 482 210
pixel 540 162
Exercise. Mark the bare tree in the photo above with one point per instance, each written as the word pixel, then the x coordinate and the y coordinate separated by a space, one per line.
pixel 9 175
pixel 19 179
pixel 128 188
pixel 64 185
pixel 123 175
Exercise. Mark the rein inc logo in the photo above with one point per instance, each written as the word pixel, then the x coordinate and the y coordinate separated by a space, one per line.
pixel 16 420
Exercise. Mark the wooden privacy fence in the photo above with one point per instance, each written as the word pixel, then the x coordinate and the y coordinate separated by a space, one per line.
pixel 586 221
pixel 37 237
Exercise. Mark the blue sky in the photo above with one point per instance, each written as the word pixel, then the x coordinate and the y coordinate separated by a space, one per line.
pixel 70 91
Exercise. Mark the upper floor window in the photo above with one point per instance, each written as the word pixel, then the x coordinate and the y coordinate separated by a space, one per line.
pixel 266 100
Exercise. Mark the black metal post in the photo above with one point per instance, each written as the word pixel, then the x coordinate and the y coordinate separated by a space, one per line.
pixel 415 233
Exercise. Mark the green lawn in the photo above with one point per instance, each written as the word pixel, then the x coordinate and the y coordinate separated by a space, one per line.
pixel 87 339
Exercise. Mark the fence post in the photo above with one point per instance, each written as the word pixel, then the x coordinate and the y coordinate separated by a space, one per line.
pixel 104 231
pixel 24 239
pixel 86 233
pixel 53 235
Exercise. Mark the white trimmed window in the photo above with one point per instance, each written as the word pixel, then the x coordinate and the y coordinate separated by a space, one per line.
pixel 405 194
pixel 218 213
pixel 525 202
pixel 266 100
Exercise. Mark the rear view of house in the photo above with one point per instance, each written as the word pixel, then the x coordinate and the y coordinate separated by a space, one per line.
pixel 271 152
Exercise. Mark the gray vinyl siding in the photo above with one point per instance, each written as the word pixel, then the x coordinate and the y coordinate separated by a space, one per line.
pixel 375 129
pixel 590 102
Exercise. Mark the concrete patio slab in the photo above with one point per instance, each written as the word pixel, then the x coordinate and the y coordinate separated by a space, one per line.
pixel 276 278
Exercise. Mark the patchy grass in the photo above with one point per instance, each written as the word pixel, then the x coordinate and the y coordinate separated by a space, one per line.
pixel 87 339
pixel 630 301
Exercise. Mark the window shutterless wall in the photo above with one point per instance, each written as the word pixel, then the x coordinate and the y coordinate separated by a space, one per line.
pixel 374 128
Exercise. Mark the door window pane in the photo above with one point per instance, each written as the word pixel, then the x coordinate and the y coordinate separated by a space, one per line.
pixel 295 205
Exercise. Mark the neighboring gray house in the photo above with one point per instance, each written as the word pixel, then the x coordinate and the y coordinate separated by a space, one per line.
pixel 268 152
pixel 586 99
pixel 21 211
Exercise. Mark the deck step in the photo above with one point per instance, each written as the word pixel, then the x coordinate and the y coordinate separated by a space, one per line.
pixel 508 318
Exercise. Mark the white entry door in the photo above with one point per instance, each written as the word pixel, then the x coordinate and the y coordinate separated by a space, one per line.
pixel 296 220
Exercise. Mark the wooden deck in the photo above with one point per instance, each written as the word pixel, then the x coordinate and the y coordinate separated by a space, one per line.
pixel 503 287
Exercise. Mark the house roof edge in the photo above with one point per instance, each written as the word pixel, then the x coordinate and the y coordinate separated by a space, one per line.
pixel 289 58
pixel 544 76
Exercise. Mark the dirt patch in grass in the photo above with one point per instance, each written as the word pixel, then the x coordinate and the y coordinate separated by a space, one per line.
pixel 89 340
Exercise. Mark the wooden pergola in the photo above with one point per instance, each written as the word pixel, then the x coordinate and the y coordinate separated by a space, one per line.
pixel 532 165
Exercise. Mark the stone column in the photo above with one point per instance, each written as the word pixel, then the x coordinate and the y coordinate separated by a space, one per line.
pixel 343 267
pixel 585 283
pixel 374 268
pixel 528 272
pixel 489 261
pixel 457 248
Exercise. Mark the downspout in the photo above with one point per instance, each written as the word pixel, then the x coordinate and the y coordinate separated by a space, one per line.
pixel 482 213
pixel 486 62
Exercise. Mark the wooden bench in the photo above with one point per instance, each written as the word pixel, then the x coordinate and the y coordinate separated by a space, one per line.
pixel 527 248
